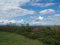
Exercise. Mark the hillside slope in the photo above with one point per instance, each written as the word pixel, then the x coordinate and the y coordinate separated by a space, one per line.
pixel 7 38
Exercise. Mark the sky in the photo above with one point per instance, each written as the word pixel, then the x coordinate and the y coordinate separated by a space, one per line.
pixel 34 12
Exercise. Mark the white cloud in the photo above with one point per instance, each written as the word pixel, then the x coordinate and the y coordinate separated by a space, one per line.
pixel 47 11
pixel 6 4
pixel 4 22
pixel 12 21
pixel 21 21
pixel 11 8
pixel 42 4
pixel 51 20
pixel 41 18
pixel 55 18
pixel 14 12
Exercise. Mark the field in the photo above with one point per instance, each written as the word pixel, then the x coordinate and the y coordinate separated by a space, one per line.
pixel 7 38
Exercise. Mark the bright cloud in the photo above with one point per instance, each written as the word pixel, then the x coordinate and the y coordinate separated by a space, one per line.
pixel 4 22
pixel 42 4
pixel 7 4
pixel 47 11
pixel 11 8
pixel 41 18
pixel 14 13
pixel 21 21
pixel 51 20
pixel 7 21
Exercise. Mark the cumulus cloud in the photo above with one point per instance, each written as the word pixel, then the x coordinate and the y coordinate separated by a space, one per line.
pixel 11 8
pixel 5 22
pixel 51 20
pixel 6 4
pixel 21 21
pixel 39 18
pixel 47 11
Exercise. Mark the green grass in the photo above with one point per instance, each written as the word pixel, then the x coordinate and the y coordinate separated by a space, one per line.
pixel 7 38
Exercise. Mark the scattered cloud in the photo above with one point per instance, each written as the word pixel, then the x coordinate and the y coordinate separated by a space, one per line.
pixel 8 4
pixel 51 20
pixel 14 13
pixel 21 21
pixel 4 22
pixel 11 8
pixel 47 11
pixel 42 4
pixel 39 18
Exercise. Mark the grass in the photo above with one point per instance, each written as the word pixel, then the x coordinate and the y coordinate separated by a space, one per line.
pixel 7 38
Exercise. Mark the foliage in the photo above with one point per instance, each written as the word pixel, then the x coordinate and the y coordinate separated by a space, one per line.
pixel 7 38
pixel 49 35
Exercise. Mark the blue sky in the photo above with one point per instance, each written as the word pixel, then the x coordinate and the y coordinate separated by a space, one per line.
pixel 34 12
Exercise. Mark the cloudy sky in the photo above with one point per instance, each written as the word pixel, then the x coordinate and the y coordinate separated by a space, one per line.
pixel 34 12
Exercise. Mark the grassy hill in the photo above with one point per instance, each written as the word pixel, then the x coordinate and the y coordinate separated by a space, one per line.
pixel 7 38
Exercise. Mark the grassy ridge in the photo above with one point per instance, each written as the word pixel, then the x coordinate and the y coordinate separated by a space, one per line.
pixel 7 38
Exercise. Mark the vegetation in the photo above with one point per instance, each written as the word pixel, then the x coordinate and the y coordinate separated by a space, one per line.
pixel 7 38
pixel 48 35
